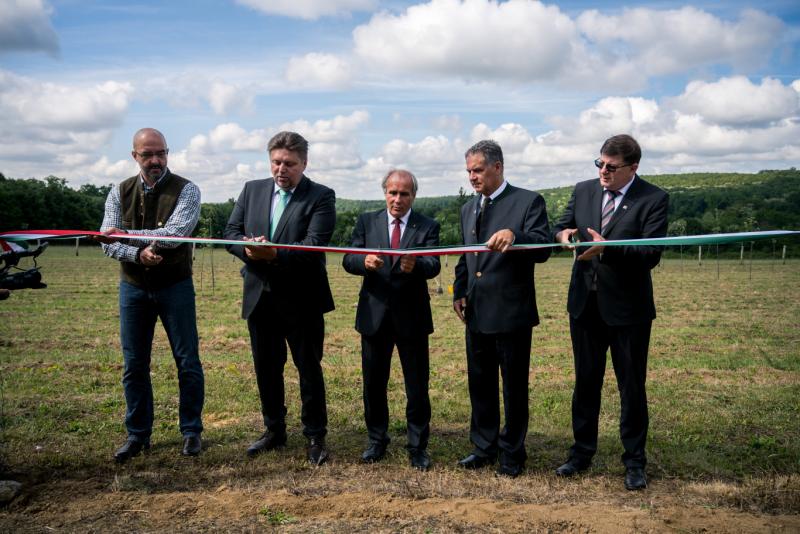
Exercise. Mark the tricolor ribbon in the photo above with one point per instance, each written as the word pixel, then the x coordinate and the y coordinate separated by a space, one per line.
pixel 709 239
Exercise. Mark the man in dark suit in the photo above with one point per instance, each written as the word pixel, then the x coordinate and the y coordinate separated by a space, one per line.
pixel 494 296
pixel 610 300
pixel 394 310
pixel 286 292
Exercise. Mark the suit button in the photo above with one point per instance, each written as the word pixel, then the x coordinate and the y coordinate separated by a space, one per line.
pixel 473 232
pixel 478 274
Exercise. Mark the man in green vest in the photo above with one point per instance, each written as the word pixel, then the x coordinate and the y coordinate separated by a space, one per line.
pixel 155 283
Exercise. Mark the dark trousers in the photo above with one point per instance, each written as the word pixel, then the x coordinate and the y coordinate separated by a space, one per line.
pixel 591 339
pixel 139 309
pixel 270 331
pixel 376 357
pixel 511 354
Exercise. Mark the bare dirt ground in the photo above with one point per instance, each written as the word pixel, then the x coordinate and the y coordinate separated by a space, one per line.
pixel 355 498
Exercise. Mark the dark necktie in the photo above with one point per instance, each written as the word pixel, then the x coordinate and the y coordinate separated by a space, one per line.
pixel 479 218
pixel 608 209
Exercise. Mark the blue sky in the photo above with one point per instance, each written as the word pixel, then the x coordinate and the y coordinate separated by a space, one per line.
pixel 708 86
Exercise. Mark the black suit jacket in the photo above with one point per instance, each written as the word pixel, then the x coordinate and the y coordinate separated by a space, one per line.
pixel 499 287
pixel 297 279
pixel 624 286
pixel 388 290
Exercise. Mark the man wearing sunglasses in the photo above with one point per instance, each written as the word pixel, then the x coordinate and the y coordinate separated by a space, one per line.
pixel 610 301
pixel 155 283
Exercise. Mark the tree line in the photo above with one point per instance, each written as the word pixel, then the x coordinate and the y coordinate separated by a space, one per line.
pixel 700 203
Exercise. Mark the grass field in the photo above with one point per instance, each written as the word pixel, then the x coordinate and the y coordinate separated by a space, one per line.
pixel 724 390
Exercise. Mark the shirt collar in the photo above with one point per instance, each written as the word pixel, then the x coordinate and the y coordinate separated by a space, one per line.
pixel 149 187
pixel 404 218
pixel 498 191
pixel 623 190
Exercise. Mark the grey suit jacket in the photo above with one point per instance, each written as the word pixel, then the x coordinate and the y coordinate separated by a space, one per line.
pixel 297 279
pixel 404 296
pixel 624 286
pixel 499 287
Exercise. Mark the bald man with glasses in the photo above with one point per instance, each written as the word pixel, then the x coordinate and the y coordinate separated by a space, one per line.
pixel 610 300
pixel 155 283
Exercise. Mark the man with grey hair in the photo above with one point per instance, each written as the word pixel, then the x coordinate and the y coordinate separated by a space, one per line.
pixel 286 291
pixel 155 282
pixel 394 310
pixel 494 296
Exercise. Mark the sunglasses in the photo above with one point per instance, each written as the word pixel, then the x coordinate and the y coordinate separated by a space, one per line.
pixel 610 168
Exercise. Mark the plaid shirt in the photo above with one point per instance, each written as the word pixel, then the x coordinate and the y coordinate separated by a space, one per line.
pixel 180 223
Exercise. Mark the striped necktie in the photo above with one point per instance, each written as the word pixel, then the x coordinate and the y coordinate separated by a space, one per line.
pixel 608 209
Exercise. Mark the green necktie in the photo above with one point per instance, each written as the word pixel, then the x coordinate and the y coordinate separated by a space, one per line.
pixel 278 211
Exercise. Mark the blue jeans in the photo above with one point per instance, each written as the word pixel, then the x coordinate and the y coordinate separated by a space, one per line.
pixel 138 310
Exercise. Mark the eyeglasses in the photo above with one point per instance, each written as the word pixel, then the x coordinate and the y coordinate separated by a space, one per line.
pixel 160 154
pixel 610 168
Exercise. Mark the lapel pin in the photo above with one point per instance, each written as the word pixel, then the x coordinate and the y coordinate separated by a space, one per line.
pixel 624 206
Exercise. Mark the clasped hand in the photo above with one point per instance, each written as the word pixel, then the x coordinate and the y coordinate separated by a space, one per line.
pixel 373 262
pixel 259 253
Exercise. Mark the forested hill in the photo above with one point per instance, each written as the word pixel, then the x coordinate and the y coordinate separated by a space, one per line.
pixel 700 203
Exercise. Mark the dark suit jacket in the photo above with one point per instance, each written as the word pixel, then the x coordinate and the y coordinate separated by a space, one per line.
pixel 388 290
pixel 499 287
pixel 297 279
pixel 624 286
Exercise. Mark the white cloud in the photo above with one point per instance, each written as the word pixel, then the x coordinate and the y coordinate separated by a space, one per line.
pixel 518 39
pixel 322 71
pixel 25 25
pixel 526 40
pixel 79 108
pixel 738 101
pixel 309 9
pixel 52 128
pixel 225 98
pixel 221 160
pixel 668 41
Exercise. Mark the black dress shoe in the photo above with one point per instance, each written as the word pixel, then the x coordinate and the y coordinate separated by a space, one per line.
pixel 317 453
pixel 475 461
pixel 572 467
pixel 269 440
pixel 374 453
pixel 635 478
pixel 192 446
pixel 510 470
pixel 130 449
pixel 419 459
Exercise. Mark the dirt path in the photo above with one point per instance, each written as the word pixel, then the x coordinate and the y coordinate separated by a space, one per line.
pixel 365 501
